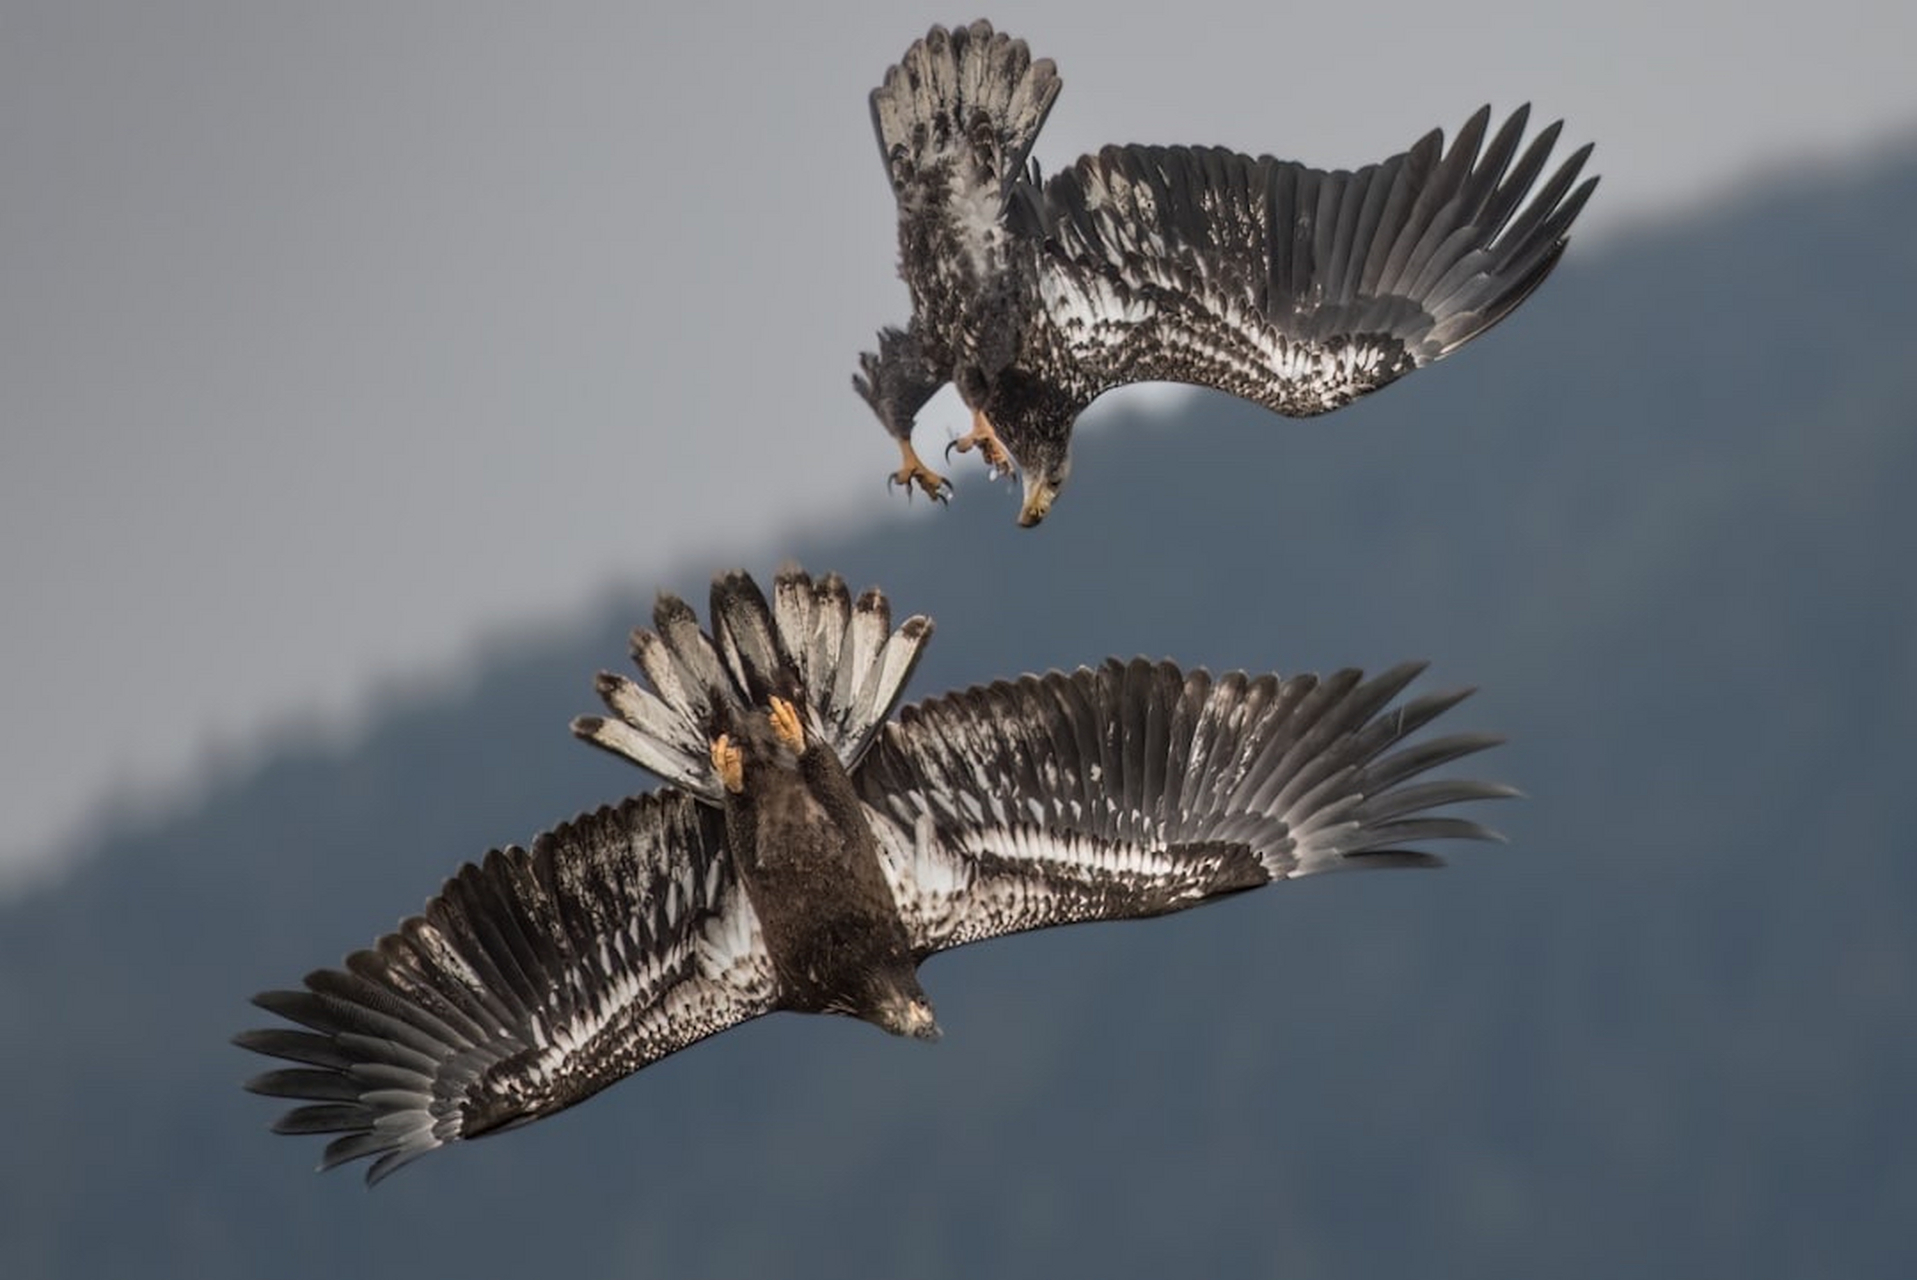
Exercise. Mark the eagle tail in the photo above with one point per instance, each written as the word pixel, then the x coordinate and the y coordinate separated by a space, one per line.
pixel 969 87
pixel 836 659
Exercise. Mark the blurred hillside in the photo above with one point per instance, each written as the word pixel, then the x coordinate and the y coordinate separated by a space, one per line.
pixel 1662 517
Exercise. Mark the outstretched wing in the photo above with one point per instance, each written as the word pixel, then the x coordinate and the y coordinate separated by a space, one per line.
pixel 1136 790
pixel 532 981
pixel 1292 287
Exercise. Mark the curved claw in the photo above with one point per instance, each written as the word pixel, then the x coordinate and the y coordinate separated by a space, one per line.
pixel 913 471
pixel 983 437
pixel 930 483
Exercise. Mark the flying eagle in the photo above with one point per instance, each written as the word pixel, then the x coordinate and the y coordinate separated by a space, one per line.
pixel 1294 288
pixel 811 852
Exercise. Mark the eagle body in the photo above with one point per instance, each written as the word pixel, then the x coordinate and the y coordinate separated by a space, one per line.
pixel 1299 289
pixel 815 843
pixel 810 867
pixel 956 119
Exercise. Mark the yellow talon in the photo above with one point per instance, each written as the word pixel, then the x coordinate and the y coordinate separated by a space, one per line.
pixel 915 472
pixel 984 438
pixel 785 723
pixel 729 763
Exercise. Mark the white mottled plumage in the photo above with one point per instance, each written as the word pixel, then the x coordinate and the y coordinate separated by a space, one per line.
pixel 1136 789
pixel 818 875
pixel 532 980
pixel 845 653
pixel 1299 289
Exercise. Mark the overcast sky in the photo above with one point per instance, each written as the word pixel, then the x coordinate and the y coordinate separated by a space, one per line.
pixel 336 338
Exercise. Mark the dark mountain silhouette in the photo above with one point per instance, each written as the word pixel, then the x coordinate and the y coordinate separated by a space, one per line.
pixel 1662 518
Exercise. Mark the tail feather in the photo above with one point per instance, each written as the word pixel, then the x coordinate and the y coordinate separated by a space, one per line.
pixel 831 614
pixel 864 641
pixel 685 658
pixel 650 730
pixel 748 637
pixel 841 664
pixel 971 88
pixel 796 607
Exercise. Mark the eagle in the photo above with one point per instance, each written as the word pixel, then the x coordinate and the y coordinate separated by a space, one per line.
pixel 812 849
pixel 1292 287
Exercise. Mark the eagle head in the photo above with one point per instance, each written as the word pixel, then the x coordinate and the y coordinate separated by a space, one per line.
pixel 1041 488
pixel 1034 422
pixel 905 1013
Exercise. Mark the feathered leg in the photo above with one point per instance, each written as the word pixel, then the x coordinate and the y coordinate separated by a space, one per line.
pixel 897 382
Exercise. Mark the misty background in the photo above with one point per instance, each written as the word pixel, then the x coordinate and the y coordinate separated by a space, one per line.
pixel 339 338
pixel 366 372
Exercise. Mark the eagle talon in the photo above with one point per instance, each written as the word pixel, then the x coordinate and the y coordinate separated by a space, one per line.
pixel 985 439
pixel 915 472
pixel 931 483
pixel 729 763
pixel 785 723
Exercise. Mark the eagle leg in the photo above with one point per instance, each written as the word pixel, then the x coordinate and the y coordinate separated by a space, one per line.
pixel 914 471
pixel 785 723
pixel 729 763
pixel 983 437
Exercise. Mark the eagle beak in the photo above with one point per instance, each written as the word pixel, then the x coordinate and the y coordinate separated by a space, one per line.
pixel 1038 501
pixel 919 1022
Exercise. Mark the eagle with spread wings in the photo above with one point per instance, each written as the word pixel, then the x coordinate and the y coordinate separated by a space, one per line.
pixel 811 850
pixel 1292 287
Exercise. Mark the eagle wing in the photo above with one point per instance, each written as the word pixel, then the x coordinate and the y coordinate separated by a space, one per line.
pixel 1136 790
pixel 1292 287
pixel 532 981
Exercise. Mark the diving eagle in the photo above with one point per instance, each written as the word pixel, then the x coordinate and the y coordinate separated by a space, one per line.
pixel 1294 288
pixel 811 852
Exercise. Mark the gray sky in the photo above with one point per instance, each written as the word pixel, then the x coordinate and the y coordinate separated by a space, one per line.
pixel 339 337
